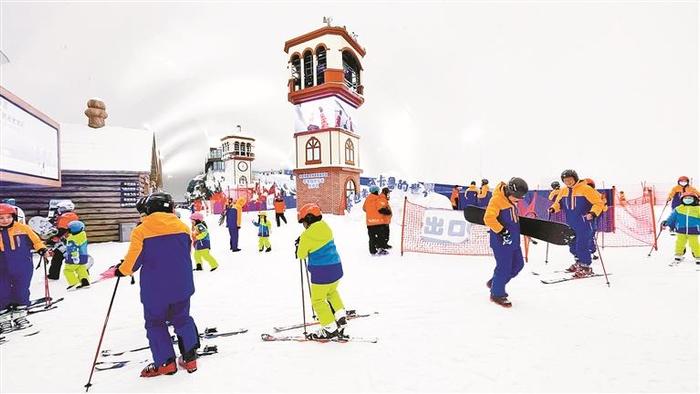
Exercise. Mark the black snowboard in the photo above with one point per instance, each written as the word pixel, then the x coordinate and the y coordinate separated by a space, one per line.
pixel 552 232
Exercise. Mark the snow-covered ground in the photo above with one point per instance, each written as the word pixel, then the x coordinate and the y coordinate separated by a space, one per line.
pixel 437 329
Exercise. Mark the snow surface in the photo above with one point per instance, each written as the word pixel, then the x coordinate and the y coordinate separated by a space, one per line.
pixel 437 329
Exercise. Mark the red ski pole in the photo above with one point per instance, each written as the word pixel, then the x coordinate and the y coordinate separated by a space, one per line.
pixel 47 294
pixel 99 344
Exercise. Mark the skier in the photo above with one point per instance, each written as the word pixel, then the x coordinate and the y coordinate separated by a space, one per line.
pixel 233 214
pixel 683 186
pixel 622 199
pixel 501 217
pixel 161 246
pixel 685 220
pixel 386 213
pixel 374 220
pixel 484 194
pixel 556 187
pixel 20 213
pixel 316 244
pixel 263 226
pixel 454 197
pixel 280 207
pixel 16 266
pixel 581 205
pixel 65 214
pixel 75 269
pixel 471 193
pixel 202 243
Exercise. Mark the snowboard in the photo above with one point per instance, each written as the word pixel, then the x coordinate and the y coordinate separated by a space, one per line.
pixel 552 232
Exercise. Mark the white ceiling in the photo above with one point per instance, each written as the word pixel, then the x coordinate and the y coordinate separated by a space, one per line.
pixel 454 92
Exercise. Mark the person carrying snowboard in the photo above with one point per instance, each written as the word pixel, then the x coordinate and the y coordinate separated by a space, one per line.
pixel 160 247
pixel 581 204
pixel 316 244
pixel 76 270
pixel 685 221
pixel 501 217
pixel 202 243
pixel 263 226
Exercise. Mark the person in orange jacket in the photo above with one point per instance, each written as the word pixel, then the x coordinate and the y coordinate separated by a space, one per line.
pixel 454 197
pixel 386 219
pixel 484 195
pixel 65 214
pixel 683 186
pixel 280 207
pixel 471 193
pixel 556 187
pixel 374 220
pixel 581 205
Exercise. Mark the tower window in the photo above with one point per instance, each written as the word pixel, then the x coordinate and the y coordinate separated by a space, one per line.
pixel 308 69
pixel 243 180
pixel 296 72
pixel 351 70
pixel 247 149
pixel 320 65
pixel 313 151
pixel 349 152
pixel 349 188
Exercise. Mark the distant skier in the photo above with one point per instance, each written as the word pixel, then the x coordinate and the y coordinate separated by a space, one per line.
pixel 233 214
pixel 280 207
pixel 581 205
pixel 16 267
pixel 471 193
pixel 386 213
pixel 484 195
pixel 454 197
pixel 65 214
pixel 317 245
pixel 263 226
pixel 202 243
pixel 161 246
pixel 556 188
pixel 501 217
pixel 685 220
pixel 683 186
pixel 622 199
pixel 374 220
pixel 76 270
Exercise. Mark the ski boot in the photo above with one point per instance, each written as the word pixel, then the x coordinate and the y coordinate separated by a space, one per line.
pixel 198 267
pixel 20 321
pixel 382 252
pixel 341 322
pixel 188 360
pixel 574 267
pixel 502 301
pixel 268 249
pixel 583 271
pixel 489 283
pixel 324 333
pixel 676 260
pixel 83 284
pixel 169 368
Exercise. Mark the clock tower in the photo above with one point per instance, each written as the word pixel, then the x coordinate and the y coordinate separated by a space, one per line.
pixel 325 89
pixel 238 154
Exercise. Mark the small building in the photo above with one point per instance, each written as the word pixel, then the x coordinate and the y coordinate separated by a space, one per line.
pixel 238 153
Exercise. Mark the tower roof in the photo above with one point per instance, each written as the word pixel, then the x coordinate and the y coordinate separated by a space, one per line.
pixel 340 31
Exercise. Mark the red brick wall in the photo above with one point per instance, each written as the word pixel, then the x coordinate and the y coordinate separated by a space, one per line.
pixel 330 195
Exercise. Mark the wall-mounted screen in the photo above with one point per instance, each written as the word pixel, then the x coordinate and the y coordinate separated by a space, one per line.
pixel 324 113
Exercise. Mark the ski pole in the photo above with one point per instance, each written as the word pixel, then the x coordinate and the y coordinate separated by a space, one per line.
pixel 308 282
pixel 601 257
pixel 303 301
pixel 47 294
pixel 660 231
pixel 99 344
pixel 546 255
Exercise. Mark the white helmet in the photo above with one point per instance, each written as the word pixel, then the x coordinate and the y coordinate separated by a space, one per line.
pixel 65 206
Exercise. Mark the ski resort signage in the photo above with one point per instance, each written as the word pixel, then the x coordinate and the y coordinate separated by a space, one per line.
pixel 313 180
pixel 441 225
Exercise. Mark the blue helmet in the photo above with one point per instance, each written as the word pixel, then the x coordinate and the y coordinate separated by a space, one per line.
pixel 76 226
pixel 374 189
pixel 10 201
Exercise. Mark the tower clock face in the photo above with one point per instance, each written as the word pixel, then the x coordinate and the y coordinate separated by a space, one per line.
pixel 242 166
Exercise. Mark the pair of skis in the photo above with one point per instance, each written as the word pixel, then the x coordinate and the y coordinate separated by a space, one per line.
pixel 351 315
pixel 107 365
pixel 208 333
pixel 564 278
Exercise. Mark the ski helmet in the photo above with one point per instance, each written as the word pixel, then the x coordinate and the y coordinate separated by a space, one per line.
pixel 569 174
pixel 683 179
pixel 516 187
pixel 141 205
pixel 689 198
pixel 309 212
pixel 473 183
pixel 484 181
pixel 10 201
pixel 65 206
pixel 374 189
pixel 555 185
pixel 158 202
pixel 197 216
pixel 7 209
pixel 262 213
pixel 76 226
pixel 590 182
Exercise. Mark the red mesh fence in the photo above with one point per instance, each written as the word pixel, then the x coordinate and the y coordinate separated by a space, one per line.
pixel 635 224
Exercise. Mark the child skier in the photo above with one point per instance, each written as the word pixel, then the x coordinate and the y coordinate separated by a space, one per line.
pixel 161 246
pixel 280 207
pixel 581 205
pixel 64 215
pixel 316 244
pixel 16 266
pixel 501 217
pixel 471 193
pixel 683 186
pixel 263 226
pixel 201 243
pixel 685 220
pixel 75 269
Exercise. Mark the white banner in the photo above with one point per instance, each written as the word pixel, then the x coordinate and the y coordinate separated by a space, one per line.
pixel 440 225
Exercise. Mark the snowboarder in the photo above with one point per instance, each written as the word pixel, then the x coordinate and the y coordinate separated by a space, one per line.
pixel 501 217
pixel 316 244
pixel 201 243
pixel 233 214
pixel 161 246
pixel 556 187
pixel 581 205
pixel 16 265
pixel 280 207
pixel 75 270
pixel 386 213
pixel 374 220
pixel 484 195
pixel 65 214
pixel 471 193
pixel 263 226
pixel 685 220
pixel 454 197
pixel 683 186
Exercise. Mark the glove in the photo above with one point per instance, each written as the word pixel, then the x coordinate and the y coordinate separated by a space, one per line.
pixel 590 216
pixel 550 210
pixel 385 211
pixel 664 224
pixel 506 237
pixel 42 251
pixel 296 247
pixel 111 272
